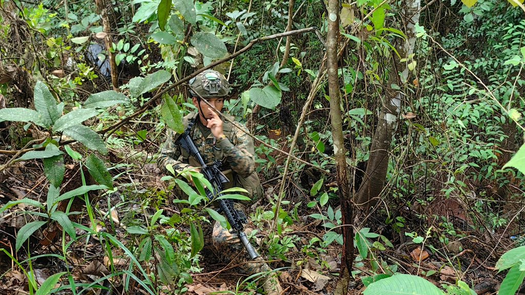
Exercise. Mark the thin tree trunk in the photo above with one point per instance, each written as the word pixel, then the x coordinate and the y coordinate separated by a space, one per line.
pixel 374 179
pixel 102 7
pixel 343 179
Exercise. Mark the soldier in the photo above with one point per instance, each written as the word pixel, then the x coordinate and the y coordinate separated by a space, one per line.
pixel 219 140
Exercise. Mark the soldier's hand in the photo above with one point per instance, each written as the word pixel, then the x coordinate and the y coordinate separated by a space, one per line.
pixel 215 125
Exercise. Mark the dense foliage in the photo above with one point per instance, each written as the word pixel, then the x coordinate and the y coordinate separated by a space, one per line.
pixel 84 145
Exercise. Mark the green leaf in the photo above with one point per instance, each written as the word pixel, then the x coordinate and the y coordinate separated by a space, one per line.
pixel 234 190
pixel 105 99
pixel 361 245
pixel 193 197
pixel 26 231
pixel 80 40
pixel 163 12
pixel 469 3
pixel 172 115
pixel 164 38
pixel 197 239
pixel 156 216
pixel 316 187
pixel 20 115
pixel 139 85
pixel 403 284
pixel 136 230
pixel 359 112
pixel 73 154
pixel 46 104
pixel 52 194
pixel 65 222
pixel 517 161
pixel 145 253
pixel 268 97
pixel 49 284
pixel 187 10
pixel 79 191
pixel 168 249
pixel 98 170
pixel 512 281
pixel 209 45
pixel 48 153
pixel 87 137
pixel 177 27
pixel 218 217
pixel 54 168
pixel 324 199
pixel 26 201
pixel 372 279
pixel 514 114
pixel 145 11
pixel 233 197
pixel 510 258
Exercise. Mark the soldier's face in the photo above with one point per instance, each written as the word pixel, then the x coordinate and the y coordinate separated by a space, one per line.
pixel 205 112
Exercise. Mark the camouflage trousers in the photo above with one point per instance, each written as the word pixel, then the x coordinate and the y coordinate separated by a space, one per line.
pixel 227 244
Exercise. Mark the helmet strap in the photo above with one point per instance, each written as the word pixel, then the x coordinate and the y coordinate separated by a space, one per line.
pixel 200 109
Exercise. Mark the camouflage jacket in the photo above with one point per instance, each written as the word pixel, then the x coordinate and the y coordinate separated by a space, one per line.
pixel 236 153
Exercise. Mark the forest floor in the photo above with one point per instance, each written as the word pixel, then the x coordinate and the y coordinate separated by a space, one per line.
pixel 468 254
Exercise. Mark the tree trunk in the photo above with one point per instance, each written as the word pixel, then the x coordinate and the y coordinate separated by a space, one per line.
pixel 102 7
pixel 343 179
pixel 375 175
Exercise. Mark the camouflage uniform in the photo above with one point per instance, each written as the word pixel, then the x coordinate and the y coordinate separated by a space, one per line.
pixel 236 154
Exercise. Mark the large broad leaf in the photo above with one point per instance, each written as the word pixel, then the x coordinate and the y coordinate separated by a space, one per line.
pixel 209 45
pixel 105 99
pixel 98 170
pixel 75 117
pixel 268 97
pixel 46 104
pixel 511 258
pixel 171 114
pixel 403 284
pixel 197 239
pixel 187 9
pixel 163 12
pixel 49 284
pixel 145 11
pixel 26 231
pixel 48 153
pixel 164 38
pixel 518 160
pixel 512 281
pixel 87 137
pixel 139 85
pixel 20 115
pixel 177 26
pixel 79 191
pixel 54 168
pixel 65 223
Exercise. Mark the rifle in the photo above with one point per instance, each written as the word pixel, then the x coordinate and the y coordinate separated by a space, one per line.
pixel 214 175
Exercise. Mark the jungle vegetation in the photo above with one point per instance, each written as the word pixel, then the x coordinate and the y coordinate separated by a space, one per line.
pixel 388 137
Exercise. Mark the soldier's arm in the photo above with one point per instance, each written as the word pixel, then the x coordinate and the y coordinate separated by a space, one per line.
pixel 170 153
pixel 239 151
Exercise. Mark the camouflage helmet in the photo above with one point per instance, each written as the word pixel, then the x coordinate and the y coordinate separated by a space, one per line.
pixel 209 84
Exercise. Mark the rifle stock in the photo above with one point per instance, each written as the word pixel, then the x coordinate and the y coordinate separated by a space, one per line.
pixel 217 179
